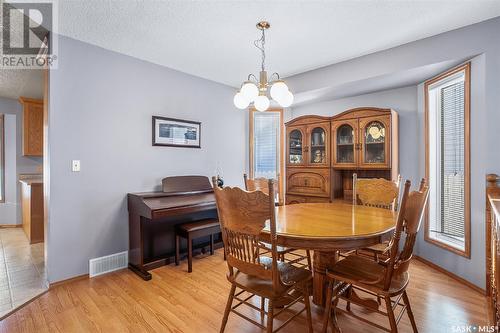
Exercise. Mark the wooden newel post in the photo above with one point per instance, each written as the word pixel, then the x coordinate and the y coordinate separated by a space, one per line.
pixel 492 180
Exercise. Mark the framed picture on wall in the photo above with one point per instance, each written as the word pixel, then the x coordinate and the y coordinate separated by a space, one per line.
pixel 176 132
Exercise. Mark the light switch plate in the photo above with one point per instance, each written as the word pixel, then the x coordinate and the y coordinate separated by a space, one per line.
pixel 75 166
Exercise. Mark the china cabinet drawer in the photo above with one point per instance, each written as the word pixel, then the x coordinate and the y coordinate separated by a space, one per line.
pixel 315 182
pixel 295 199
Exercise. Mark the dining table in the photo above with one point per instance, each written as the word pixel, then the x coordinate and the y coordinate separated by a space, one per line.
pixel 327 228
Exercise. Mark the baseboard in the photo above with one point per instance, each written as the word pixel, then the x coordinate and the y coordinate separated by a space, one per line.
pixel 452 275
pixel 73 279
pixel 11 225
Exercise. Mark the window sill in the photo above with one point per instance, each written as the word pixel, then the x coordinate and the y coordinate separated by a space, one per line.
pixel 447 243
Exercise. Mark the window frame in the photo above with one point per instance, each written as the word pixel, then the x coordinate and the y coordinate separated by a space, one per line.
pixel 2 158
pixel 251 113
pixel 467 227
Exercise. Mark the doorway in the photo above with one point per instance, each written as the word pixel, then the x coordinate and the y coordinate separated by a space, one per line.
pixel 22 222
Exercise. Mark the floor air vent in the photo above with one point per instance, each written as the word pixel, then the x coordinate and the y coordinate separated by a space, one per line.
pixel 108 264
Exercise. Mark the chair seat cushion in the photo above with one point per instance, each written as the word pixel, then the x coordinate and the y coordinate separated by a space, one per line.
pixel 280 249
pixel 359 271
pixel 290 275
pixel 199 225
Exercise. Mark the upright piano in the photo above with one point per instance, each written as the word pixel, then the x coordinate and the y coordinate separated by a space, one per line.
pixel 153 216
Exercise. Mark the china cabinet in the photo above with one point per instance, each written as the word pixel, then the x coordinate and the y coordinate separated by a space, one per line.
pixel 324 152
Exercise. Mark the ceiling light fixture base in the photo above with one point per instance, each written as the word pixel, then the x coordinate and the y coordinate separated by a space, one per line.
pixel 263 25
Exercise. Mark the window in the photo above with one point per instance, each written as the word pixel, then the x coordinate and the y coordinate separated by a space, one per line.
pixel 447 117
pixel 2 157
pixel 266 138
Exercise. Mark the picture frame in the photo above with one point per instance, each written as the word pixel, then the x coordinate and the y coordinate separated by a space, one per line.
pixel 171 132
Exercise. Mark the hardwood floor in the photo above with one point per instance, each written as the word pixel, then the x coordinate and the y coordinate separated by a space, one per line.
pixel 175 301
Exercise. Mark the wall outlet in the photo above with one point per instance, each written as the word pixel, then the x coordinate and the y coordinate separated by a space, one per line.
pixel 75 166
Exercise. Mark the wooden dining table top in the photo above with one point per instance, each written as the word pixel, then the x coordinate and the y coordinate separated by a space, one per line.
pixel 337 224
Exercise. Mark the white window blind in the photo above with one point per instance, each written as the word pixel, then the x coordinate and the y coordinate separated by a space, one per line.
pixel 452 160
pixel 266 146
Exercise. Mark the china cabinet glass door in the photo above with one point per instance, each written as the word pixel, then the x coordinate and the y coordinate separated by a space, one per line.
pixel 295 147
pixel 344 143
pixel 318 149
pixel 375 142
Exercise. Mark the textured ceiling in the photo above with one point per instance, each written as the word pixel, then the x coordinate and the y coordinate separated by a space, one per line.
pixel 214 39
pixel 15 83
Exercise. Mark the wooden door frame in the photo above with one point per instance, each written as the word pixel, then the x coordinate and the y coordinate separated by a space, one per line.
pixel 46 165
pixel 281 168
pixel 467 244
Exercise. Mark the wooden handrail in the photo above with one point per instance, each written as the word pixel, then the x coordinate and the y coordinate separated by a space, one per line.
pixel 492 246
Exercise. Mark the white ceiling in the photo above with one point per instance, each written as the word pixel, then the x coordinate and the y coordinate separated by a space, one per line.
pixel 214 39
pixel 394 80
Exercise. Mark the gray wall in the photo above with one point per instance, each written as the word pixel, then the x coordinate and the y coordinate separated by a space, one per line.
pixel 480 39
pixel 101 104
pixel 15 163
pixel 403 100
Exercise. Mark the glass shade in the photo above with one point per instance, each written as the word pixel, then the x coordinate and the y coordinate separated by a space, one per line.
pixel 279 90
pixel 250 91
pixel 286 100
pixel 240 101
pixel 261 103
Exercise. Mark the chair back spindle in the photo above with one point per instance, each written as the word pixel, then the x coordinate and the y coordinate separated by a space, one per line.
pixel 408 223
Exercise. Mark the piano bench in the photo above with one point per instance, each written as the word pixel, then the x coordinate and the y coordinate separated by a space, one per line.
pixel 193 230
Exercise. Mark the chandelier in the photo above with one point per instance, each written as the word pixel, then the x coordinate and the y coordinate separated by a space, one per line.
pixel 256 91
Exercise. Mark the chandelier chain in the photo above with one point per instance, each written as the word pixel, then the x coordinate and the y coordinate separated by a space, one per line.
pixel 261 47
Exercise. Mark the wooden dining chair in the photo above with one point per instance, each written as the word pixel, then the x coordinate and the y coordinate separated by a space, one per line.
pixel 293 256
pixel 243 216
pixel 376 192
pixel 386 279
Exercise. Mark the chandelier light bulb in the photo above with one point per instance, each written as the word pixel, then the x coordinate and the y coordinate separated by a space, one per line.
pixel 261 103
pixel 250 91
pixel 287 100
pixel 279 90
pixel 240 101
